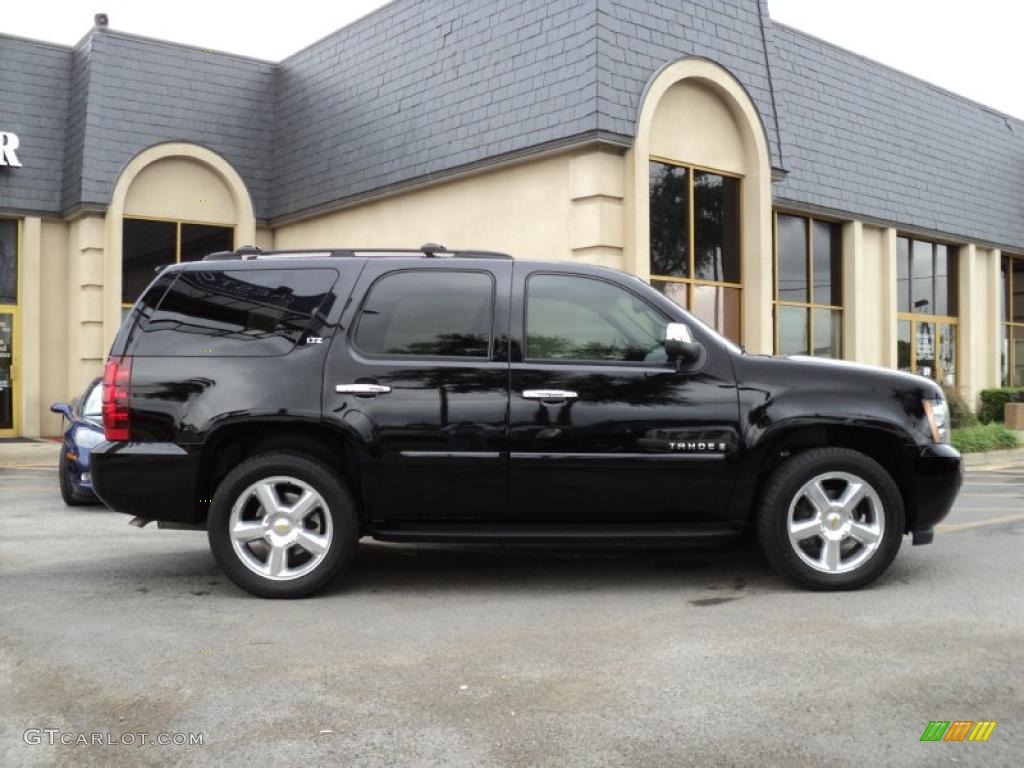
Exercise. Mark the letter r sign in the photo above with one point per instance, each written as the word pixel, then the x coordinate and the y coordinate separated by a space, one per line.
pixel 8 144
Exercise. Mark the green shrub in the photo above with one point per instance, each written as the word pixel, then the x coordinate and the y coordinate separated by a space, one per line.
pixel 960 414
pixel 993 402
pixel 984 437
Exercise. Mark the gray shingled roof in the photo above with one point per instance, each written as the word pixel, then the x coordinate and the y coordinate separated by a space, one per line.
pixel 421 88
pixel 865 139
pixel 34 105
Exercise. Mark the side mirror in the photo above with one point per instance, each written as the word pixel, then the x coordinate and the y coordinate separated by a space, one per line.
pixel 679 345
pixel 64 409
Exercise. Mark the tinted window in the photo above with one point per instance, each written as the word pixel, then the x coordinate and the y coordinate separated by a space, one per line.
pixel 578 318
pixel 828 264
pixel 199 240
pixel 8 261
pixel 146 245
pixel 91 408
pixel 716 227
pixel 669 189
pixel 232 313
pixel 430 313
pixel 791 232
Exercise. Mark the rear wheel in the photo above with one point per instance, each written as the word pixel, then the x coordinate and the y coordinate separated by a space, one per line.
pixel 282 525
pixel 831 518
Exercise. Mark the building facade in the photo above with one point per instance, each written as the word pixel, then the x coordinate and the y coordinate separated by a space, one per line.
pixel 796 196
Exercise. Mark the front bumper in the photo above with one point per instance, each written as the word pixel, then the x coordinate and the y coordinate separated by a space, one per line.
pixel 938 473
pixel 156 481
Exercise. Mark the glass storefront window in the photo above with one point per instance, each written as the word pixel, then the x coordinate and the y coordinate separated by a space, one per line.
pixel 148 244
pixel 904 356
pixel 808 286
pixel 1011 313
pixel 792 324
pixel 8 261
pixel 926 286
pixel 695 242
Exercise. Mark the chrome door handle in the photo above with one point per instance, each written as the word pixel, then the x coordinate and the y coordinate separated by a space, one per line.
pixel 549 394
pixel 362 389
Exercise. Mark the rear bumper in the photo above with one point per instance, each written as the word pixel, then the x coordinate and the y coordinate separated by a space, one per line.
pixel 938 475
pixel 156 481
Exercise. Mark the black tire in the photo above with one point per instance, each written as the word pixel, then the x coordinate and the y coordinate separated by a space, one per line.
pixel 340 507
pixel 67 491
pixel 784 485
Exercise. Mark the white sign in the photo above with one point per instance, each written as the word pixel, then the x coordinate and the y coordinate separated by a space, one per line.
pixel 8 143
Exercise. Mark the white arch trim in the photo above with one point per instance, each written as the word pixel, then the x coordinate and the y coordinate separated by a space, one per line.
pixel 756 195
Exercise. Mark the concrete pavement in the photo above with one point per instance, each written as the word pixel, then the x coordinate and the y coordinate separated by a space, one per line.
pixel 430 655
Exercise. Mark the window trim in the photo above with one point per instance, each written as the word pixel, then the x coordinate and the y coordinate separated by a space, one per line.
pixel 1007 322
pixel 177 238
pixel 693 280
pixel 810 305
pixel 914 318
pixel 353 331
pixel 609 363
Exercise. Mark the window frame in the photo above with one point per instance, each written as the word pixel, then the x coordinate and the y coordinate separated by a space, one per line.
pixel 917 318
pixel 358 319
pixel 1006 321
pixel 588 363
pixel 809 305
pixel 177 239
pixel 691 248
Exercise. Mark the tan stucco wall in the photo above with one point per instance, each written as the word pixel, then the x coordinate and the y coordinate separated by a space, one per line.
pixel 53 330
pixel 867 316
pixel 523 209
pixel 692 124
pixel 181 188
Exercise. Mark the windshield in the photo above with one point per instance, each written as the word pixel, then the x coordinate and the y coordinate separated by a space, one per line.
pixel 92 408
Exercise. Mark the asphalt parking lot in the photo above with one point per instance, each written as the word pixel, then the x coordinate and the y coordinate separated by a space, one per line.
pixel 448 656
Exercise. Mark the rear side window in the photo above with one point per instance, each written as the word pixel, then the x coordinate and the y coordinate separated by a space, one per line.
pixel 428 313
pixel 251 313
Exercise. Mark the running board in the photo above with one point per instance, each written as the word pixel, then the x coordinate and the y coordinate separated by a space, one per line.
pixel 471 533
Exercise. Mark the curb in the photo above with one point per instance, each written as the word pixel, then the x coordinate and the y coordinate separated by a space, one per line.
pixel 41 453
pixel 993 458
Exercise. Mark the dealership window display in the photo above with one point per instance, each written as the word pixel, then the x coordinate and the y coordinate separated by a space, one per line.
pixel 808 286
pixel 152 243
pixel 1011 313
pixel 926 303
pixel 695 242
pixel 8 316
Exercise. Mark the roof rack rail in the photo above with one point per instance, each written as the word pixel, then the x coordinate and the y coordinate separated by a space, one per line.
pixel 428 250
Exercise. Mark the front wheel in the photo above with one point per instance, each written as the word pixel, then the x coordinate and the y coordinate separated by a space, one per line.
pixel 831 518
pixel 282 525
pixel 67 490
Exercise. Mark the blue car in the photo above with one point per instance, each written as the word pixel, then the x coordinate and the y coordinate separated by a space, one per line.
pixel 84 432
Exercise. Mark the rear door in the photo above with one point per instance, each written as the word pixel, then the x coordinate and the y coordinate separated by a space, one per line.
pixel 602 428
pixel 418 376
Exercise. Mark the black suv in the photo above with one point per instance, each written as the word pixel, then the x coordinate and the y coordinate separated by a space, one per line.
pixel 289 403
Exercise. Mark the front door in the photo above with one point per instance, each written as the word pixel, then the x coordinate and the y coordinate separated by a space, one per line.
pixel 419 378
pixel 602 428
pixel 8 372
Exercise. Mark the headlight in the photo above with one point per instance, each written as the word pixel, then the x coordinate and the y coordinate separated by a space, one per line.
pixel 937 413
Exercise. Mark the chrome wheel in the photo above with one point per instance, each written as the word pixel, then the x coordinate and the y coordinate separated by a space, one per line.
pixel 280 528
pixel 835 522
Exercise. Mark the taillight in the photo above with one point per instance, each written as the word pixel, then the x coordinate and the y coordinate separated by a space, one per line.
pixel 117 377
